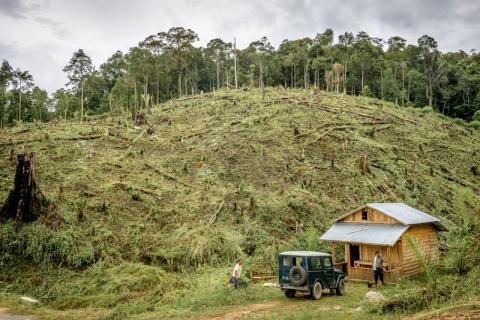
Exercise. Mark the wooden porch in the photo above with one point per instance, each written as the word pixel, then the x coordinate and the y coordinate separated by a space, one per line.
pixel 366 274
pixel 357 263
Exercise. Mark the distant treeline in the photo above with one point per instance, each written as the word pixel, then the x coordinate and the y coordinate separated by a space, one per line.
pixel 167 64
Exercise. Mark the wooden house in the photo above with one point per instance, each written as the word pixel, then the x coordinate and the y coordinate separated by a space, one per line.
pixel 384 227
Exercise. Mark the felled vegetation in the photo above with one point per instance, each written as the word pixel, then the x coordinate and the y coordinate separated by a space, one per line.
pixel 223 175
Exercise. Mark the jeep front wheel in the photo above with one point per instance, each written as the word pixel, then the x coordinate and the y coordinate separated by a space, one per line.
pixel 341 287
pixel 289 293
pixel 316 291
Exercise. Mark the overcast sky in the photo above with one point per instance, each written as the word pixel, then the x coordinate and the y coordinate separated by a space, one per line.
pixel 41 35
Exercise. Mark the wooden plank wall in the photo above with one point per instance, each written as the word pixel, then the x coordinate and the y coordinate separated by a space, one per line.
pixel 374 216
pixel 426 236
pixel 391 255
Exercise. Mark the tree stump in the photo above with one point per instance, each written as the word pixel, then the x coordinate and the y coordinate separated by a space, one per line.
pixel 25 202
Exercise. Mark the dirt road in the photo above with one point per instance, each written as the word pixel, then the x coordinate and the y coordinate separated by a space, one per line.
pixel 4 315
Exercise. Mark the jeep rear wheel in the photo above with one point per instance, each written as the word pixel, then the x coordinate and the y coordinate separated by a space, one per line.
pixel 289 293
pixel 298 276
pixel 316 291
pixel 341 287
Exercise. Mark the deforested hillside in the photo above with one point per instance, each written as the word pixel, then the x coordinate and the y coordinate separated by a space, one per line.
pixel 213 177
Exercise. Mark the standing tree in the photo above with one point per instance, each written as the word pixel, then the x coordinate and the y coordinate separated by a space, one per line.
pixel 156 44
pixel 179 40
pixel 78 69
pixel 22 80
pixel 262 48
pixel 39 104
pixel 234 51
pixel 6 75
pixel 431 70
pixel 218 51
pixel 346 41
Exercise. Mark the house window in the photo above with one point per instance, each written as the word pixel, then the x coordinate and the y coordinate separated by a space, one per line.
pixel 364 215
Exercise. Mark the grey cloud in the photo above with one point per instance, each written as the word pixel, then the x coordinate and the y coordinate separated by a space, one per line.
pixel 102 27
pixel 58 29
pixel 12 8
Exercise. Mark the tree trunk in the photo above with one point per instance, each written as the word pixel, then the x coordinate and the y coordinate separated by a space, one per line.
pixel 294 82
pixel 430 94
pixel 218 70
pixel 403 85
pixel 20 102
pixel 381 83
pixel 362 80
pixel 305 75
pixel 158 85
pixel 262 86
pixel 235 61
pixel 81 101
pixel 25 202
pixel 179 83
pixel 135 95
pixel 291 76
pixel 345 78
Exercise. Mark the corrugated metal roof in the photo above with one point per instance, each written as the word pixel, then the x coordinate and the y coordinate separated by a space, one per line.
pixel 405 214
pixel 371 233
pixel 304 253
pixel 402 213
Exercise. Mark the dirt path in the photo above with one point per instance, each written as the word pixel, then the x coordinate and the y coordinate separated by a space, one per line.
pixel 4 315
pixel 249 309
pixel 241 311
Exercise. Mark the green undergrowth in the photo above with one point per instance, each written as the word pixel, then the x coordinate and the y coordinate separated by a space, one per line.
pixel 223 175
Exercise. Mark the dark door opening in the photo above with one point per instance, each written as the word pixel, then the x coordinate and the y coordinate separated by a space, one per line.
pixel 354 254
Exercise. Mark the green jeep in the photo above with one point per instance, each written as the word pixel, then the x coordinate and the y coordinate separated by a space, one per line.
pixel 309 272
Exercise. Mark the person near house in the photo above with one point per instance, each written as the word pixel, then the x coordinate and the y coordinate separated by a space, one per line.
pixel 378 267
pixel 237 272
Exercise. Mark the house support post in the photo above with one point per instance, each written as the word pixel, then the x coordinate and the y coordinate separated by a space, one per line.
pixel 334 252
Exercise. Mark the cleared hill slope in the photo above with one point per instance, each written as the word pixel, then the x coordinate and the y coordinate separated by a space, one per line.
pixel 224 175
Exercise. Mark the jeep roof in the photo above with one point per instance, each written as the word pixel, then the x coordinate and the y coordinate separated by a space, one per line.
pixel 305 254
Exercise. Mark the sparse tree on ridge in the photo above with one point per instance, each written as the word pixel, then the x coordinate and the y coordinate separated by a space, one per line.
pixel 77 69
pixel 22 80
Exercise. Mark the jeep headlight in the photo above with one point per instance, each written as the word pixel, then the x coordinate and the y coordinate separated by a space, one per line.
pixel 285 278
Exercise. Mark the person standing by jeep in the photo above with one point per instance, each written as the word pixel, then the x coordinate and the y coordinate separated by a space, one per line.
pixel 378 267
pixel 237 272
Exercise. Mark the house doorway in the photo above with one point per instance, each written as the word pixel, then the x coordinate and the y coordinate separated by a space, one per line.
pixel 354 254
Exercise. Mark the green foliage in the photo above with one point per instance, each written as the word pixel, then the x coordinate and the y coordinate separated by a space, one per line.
pixel 463 241
pixel 44 247
pixel 426 109
pixel 366 92
pixel 476 116
pixel 429 267
pixel 474 124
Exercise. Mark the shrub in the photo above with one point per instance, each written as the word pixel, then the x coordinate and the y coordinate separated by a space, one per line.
pixel 474 124
pixel 44 247
pixel 426 109
pixel 476 116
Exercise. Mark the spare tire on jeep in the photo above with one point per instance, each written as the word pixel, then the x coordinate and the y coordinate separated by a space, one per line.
pixel 298 276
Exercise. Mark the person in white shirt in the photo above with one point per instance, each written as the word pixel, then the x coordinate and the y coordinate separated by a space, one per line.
pixel 378 267
pixel 237 272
